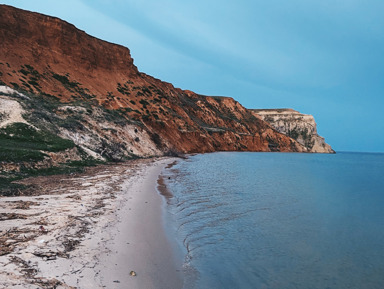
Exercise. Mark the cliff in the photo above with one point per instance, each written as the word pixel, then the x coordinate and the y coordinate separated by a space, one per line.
pixel 300 127
pixel 48 57
pixel 76 87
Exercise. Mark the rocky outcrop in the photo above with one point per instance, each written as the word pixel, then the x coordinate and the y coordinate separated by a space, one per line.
pixel 52 60
pixel 301 127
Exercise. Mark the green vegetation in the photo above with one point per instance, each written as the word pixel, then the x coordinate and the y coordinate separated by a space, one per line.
pixel 33 82
pixel 123 89
pixel 110 95
pixel 293 134
pixel 15 85
pixel 144 103
pixel 20 142
pixel 145 90
pixel 65 81
pixel 23 71
pixel 73 86
pixel 29 69
pixel 7 188
pixel 22 146
pixel 34 76
pixel 67 168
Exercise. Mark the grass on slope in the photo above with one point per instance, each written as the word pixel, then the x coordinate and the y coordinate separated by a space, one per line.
pixel 20 142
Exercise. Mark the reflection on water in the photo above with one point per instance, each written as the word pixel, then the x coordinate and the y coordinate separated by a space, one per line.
pixel 276 220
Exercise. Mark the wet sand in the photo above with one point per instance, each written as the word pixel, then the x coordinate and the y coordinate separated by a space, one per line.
pixel 89 231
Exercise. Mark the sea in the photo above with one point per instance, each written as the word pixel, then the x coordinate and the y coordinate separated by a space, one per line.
pixel 278 220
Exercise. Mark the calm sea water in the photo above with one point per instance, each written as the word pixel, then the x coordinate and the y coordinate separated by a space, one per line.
pixel 279 220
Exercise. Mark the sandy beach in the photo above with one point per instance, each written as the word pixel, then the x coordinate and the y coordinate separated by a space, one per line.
pixel 90 230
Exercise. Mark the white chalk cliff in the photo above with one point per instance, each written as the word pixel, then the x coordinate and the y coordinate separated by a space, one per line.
pixel 300 127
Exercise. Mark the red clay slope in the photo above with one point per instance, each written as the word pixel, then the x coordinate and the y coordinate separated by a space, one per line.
pixel 47 56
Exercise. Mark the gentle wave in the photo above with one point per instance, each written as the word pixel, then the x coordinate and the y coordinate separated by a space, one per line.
pixel 275 220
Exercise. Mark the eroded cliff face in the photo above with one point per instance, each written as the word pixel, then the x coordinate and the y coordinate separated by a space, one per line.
pixel 49 58
pixel 301 127
pixel 35 127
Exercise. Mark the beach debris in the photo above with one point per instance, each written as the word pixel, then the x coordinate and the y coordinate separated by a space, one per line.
pixel 116 281
pixel 38 235
pixel 41 221
pixel 29 271
pixel 49 283
pixel 133 273
pixel 47 256
pixel 12 237
pixel 23 205
pixel 25 268
pixel 6 250
pixel 43 230
pixel 75 197
pixel 11 216
pixel 70 244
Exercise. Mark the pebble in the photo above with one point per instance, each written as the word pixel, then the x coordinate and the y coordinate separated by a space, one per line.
pixel 132 273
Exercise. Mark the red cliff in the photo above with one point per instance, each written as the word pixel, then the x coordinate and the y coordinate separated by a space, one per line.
pixel 49 57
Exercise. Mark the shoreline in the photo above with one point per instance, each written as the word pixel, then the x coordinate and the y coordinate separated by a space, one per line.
pixel 90 230
pixel 147 251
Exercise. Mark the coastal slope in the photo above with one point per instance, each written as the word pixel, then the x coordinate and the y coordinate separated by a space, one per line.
pixel 50 58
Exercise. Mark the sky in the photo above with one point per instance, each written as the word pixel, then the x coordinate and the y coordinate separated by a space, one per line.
pixel 323 58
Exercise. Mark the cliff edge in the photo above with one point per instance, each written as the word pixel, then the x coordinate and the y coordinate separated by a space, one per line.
pixel 300 127
pixel 73 87
pixel 48 57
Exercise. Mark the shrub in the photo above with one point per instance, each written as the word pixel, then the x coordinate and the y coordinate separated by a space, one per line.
pixel 21 142
pixel 144 103
pixel 65 81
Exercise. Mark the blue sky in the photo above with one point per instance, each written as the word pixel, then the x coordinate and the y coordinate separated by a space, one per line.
pixel 323 58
